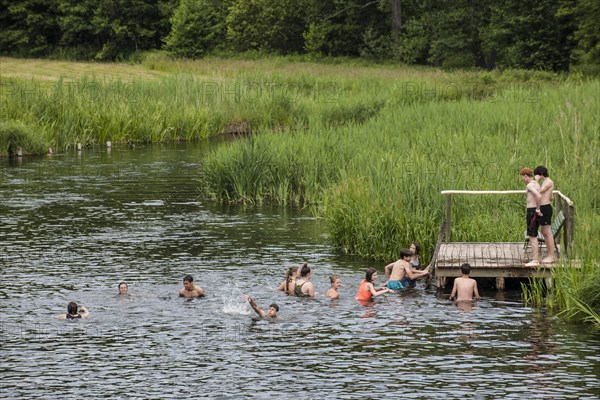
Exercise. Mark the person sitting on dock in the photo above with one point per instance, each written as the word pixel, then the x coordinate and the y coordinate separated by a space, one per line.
pixel 273 308
pixel 400 273
pixel 304 288
pixel 534 213
pixel 464 286
pixel 545 220
pixel 74 312
pixel 190 289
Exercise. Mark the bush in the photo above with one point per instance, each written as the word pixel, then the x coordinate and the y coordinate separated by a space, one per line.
pixel 15 134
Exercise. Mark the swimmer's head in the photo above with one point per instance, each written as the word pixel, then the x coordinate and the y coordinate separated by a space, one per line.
pixel 188 282
pixel 335 280
pixel 305 270
pixel 292 273
pixel 72 308
pixel 273 310
pixel 404 253
pixel 371 275
pixel 123 288
pixel 465 269
pixel 415 248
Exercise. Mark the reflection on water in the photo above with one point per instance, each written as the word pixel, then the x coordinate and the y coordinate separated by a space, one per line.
pixel 73 227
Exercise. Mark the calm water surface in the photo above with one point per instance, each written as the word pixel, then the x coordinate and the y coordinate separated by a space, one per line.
pixel 72 227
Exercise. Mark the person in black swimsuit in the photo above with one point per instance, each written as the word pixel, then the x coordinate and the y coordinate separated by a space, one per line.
pixel 304 288
pixel 74 312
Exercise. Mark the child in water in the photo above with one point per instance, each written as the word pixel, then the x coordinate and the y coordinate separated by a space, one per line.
pixel 367 290
pixel 464 286
pixel 289 284
pixel 336 282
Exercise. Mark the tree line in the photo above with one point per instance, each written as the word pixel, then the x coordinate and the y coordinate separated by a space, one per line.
pixel 536 34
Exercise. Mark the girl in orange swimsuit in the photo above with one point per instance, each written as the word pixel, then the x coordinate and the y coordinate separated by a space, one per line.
pixel 366 290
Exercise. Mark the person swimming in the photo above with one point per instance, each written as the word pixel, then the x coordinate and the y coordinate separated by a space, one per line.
pixel 271 313
pixel 367 290
pixel 74 312
pixel 303 287
pixel 289 284
pixel 336 282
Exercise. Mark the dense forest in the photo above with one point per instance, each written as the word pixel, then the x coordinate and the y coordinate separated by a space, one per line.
pixel 537 34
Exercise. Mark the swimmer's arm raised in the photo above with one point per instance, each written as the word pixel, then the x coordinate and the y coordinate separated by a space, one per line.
pixel 255 306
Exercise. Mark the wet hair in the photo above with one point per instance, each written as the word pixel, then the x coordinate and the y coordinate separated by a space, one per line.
pixel 417 248
pixel 288 277
pixel 465 268
pixel 405 253
pixel 369 274
pixel 72 308
pixel 275 306
pixel 526 171
pixel 305 270
pixel 541 170
pixel 188 278
pixel 122 283
pixel 333 278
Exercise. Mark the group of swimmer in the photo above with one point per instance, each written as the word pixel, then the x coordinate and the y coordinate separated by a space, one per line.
pixel 400 274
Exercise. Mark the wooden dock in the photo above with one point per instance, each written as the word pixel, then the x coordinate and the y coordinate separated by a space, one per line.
pixel 488 260
pixel 498 260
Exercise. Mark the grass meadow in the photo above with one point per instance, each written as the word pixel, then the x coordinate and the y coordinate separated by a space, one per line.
pixel 367 148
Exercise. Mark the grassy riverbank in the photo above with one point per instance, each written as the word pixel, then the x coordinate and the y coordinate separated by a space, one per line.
pixel 160 100
pixel 370 147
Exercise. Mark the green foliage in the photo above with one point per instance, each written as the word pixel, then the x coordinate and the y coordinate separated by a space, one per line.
pixel 266 25
pixel 106 30
pixel 574 293
pixel 197 27
pixel 529 35
pixel 29 28
pixel 542 34
pixel 15 134
pixel 588 31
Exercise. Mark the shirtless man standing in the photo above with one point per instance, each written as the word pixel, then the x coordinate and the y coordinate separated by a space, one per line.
pixel 189 289
pixel 533 213
pixel 399 272
pixel 546 188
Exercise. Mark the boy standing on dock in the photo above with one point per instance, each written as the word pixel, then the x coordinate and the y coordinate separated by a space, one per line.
pixel 465 287
pixel 546 188
pixel 534 213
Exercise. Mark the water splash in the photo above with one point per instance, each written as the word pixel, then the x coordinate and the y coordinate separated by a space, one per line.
pixel 233 301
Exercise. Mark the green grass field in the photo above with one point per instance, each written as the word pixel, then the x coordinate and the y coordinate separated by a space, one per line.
pixel 368 148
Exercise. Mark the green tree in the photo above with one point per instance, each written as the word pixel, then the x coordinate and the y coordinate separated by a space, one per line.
pixel 78 34
pixel 125 26
pixel 266 25
pixel 587 33
pixel 348 27
pixel 29 27
pixel 198 26
pixel 529 35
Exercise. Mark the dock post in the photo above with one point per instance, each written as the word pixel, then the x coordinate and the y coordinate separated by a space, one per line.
pixel 448 206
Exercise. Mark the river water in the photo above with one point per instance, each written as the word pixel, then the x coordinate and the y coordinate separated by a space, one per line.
pixel 73 226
